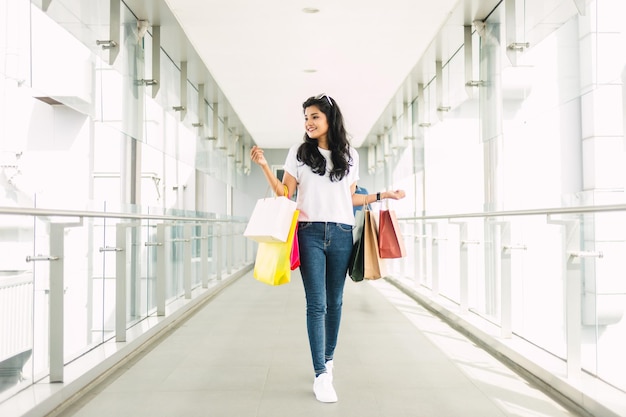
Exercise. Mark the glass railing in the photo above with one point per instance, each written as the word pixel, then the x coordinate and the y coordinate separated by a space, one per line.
pixel 73 280
pixel 555 278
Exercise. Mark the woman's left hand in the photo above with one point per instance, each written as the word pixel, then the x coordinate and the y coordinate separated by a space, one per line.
pixel 394 195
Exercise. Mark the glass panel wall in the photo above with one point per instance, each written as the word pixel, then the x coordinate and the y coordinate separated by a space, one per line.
pixel 22 300
pixel 541 160
pixel 540 124
pixel 602 41
pixel 80 130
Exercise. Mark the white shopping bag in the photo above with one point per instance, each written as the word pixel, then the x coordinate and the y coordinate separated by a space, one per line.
pixel 270 220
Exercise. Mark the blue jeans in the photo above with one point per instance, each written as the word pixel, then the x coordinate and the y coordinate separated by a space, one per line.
pixel 324 255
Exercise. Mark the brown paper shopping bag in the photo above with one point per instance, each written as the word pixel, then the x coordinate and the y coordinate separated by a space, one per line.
pixel 373 263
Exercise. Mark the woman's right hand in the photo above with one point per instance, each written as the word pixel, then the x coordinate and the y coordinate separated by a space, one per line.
pixel 256 154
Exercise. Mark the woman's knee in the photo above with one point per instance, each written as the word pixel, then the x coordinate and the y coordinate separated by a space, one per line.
pixel 317 309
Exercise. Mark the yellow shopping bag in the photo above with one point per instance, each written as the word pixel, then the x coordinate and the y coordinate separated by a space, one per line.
pixel 273 259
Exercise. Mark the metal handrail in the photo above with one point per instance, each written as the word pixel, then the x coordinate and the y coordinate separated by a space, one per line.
pixel 98 214
pixel 76 213
pixel 549 211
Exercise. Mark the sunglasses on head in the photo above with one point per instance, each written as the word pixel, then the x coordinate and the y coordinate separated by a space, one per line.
pixel 321 96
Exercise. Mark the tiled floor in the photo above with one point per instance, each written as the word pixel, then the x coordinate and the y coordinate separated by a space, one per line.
pixel 246 354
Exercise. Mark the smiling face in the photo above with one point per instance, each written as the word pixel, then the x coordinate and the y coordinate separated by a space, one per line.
pixel 315 123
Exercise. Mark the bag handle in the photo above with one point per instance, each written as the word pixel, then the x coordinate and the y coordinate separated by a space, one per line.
pixel 286 190
pixel 385 203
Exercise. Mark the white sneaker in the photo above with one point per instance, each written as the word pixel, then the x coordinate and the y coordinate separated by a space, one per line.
pixel 329 368
pixel 323 389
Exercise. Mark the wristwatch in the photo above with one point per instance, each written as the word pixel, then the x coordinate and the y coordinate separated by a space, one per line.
pixel 377 196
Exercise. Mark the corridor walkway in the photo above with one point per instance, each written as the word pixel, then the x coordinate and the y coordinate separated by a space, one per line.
pixel 245 354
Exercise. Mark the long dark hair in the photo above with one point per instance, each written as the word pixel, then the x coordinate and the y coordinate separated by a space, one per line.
pixel 338 143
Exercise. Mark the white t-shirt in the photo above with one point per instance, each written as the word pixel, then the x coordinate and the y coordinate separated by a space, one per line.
pixel 319 199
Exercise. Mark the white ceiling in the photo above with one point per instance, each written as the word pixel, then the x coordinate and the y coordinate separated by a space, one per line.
pixel 262 54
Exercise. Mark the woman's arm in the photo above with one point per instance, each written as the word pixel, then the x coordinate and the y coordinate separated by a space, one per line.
pixel 256 154
pixel 364 199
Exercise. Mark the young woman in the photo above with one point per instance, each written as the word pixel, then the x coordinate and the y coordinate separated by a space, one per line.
pixel 324 169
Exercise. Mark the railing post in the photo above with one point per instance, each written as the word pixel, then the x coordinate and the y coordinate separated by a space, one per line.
pixel 438 247
pixel 506 277
pixel 573 298
pixel 204 254
pixel 465 243
pixel 122 266
pixel 218 251
pixel 420 252
pixel 428 254
pixel 187 260
pixel 229 249
pixel 56 297
pixel 240 242
pixel 492 265
pixel 57 243
pixel 434 259
pixel 573 293
pixel 506 289
pixel 249 249
pixel 161 275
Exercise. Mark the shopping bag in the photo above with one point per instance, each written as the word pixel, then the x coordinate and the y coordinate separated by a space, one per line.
pixel 373 264
pixel 356 265
pixel 270 219
pixel 273 259
pixel 295 250
pixel 390 241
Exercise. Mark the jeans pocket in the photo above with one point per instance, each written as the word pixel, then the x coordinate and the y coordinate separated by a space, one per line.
pixel 345 227
pixel 304 225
